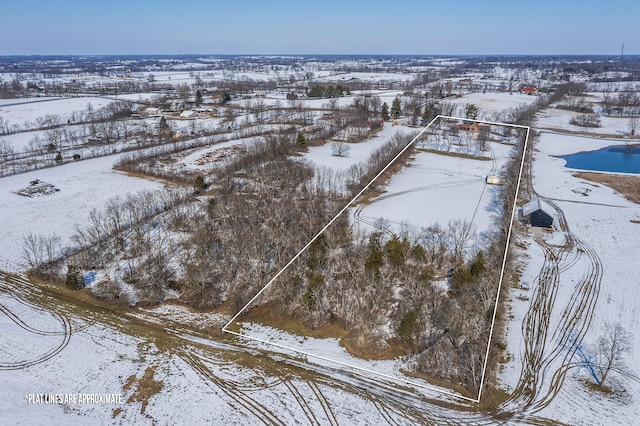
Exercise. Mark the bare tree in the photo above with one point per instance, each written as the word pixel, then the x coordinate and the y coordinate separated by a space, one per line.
pixel 37 250
pixel 6 150
pixel 459 231
pixel 614 342
pixel 634 123
pixel 483 137
pixel 586 120
pixel 340 149
pixel 333 104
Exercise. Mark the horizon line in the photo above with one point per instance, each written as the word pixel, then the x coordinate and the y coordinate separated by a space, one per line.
pixel 323 54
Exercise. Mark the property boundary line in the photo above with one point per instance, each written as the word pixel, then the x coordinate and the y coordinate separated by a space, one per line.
pixel 225 328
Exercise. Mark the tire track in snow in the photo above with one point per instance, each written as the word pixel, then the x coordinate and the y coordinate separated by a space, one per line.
pixel 251 406
pixel 544 369
pixel 13 287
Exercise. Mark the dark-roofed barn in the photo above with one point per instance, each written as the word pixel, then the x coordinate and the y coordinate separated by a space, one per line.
pixel 534 213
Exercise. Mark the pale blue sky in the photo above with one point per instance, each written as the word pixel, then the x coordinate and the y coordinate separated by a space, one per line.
pixel 323 26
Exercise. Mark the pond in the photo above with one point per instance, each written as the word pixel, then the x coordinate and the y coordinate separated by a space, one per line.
pixel 618 158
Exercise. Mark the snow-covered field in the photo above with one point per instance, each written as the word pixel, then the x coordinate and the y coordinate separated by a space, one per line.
pixel 491 104
pixel 30 109
pixel 205 381
pixel 374 77
pixel 84 185
pixel 172 377
pixel 435 189
pixel 322 156
pixel 608 243
pixel 556 118
pixel 329 352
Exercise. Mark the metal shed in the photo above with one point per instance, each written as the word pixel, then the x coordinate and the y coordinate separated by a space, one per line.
pixel 535 214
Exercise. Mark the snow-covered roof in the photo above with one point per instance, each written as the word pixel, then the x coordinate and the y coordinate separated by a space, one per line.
pixel 532 206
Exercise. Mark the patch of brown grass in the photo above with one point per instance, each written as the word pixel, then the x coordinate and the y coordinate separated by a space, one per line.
pixel 439 381
pixel 368 197
pixel 146 387
pixel 355 346
pixel 360 347
pixel 267 315
pixel 628 186
pixel 454 154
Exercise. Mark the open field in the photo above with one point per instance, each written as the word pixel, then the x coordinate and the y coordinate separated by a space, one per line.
pixel 563 287
pixel 628 186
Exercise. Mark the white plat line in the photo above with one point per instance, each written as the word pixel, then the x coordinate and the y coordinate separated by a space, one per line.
pixel 504 262
pixel 225 328
pixel 325 227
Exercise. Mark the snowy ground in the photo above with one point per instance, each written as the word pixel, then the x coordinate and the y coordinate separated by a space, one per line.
pixel 322 156
pixel 330 353
pixel 490 104
pixel 556 118
pixel 431 189
pixel 208 158
pixel 206 381
pixel 197 380
pixel 436 189
pixel 83 186
pixel 601 220
pixel 30 109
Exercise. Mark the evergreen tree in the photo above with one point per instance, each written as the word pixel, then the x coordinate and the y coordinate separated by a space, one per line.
pixel 385 112
pixel 397 250
pixel 408 328
pixel 479 266
pixel 375 259
pixel 164 129
pixel 396 108
pixel 316 92
pixel 199 184
pixel 429 112
pixel 418 252
pixel 471 111
pixel 198 97
pixel 301 141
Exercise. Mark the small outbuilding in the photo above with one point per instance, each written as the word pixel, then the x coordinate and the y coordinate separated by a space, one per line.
pixel 493 180
pixel 529 90
pixel 473 127
pixel 535 214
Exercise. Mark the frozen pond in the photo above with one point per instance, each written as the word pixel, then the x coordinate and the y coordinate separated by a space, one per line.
pixel 618 158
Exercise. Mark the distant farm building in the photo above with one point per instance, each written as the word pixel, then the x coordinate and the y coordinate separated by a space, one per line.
pixel 473 127
pixel 38 187
pixel 529 90
pixel 535 214
pixel 153 112
pixel 465 82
